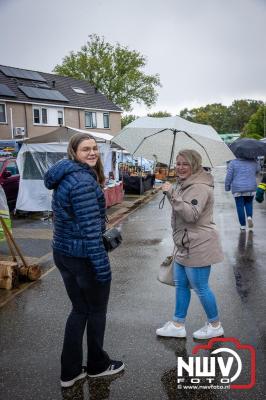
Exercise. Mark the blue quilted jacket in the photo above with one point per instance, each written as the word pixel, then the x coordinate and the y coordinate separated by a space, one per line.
pixel 241 176
pixel 79 214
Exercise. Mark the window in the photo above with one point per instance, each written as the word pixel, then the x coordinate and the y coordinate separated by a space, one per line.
pixel 60 117
pixel 79 90
pixel 44 115
pixel 50 116
pixel 106 123
pixel 36 116
pixel 40 115
pixel 90 120
pixel 2 113
pixel 12 167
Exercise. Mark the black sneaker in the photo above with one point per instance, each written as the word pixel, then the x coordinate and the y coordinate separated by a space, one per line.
pixel 114 368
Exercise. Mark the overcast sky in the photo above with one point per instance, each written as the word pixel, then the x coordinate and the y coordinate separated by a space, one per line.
pixel 205 51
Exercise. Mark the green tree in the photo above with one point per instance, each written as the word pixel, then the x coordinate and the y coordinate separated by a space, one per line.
pixel 186 113
pixel 159 114
pixel 127 119
pixel 223 119
pixel 256 125
pixel 240 112
pixel 214 114
pixel 114 70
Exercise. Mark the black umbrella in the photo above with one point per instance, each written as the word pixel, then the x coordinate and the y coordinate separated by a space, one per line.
pixel 248 148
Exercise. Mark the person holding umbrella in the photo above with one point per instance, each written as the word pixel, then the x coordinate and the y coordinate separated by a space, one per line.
pixel 241 180
pixel 241 176
pixel 197 245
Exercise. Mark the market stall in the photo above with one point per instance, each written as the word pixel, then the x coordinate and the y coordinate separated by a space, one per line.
pixel 138 184
pixel 162 173
pixel 136 173
pixel 38 154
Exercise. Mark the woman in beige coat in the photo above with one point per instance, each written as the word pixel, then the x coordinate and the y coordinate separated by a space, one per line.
pixel 197 244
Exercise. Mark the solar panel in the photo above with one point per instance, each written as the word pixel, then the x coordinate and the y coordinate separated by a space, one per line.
pixel 22 73
pixel 44 94
pixel 5 91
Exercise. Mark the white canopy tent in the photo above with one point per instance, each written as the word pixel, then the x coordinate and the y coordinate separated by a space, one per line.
pixel 38 154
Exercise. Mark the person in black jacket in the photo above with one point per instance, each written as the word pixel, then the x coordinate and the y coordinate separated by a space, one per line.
pixel 79 221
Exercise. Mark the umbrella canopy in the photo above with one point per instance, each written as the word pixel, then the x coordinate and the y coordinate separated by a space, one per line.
pixel 248 148
pixel 163 138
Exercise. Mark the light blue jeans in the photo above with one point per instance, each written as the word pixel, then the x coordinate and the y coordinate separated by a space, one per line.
pixel 196 278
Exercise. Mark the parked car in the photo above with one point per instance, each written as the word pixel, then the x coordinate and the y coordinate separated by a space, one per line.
pixel 9 179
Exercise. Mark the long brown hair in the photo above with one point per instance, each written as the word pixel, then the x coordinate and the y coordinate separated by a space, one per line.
pixel 73 144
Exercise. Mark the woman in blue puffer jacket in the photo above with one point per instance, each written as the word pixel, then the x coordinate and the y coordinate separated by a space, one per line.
pixel 79 221
pixel 241 180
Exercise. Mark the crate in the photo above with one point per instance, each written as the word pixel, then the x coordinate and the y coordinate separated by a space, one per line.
pixel 8 274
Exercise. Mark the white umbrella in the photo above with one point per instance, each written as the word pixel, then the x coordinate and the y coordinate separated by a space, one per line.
pixel 163 138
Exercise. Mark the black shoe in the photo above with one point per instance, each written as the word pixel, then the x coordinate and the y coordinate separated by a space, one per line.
pixel 114 368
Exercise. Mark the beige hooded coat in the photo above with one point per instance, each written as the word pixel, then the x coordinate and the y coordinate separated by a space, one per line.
pixel 194 232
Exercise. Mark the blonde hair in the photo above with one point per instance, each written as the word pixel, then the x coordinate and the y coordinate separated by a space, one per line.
pixel 72 147
pixel 193 158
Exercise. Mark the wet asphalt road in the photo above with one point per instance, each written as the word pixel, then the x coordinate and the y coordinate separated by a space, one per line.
pixel 32 324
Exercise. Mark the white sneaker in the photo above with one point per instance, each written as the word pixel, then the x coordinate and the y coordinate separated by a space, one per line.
pixel 208 331
pixel 171 330
pixel 250 223
pixel 242 228
pixel 82 375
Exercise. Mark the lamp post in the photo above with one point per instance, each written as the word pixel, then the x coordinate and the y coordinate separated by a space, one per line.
pixel 264 125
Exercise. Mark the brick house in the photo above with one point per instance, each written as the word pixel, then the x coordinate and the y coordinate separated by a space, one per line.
pixel 34 103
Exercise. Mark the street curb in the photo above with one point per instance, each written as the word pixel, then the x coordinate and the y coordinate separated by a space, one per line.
pixel 117 217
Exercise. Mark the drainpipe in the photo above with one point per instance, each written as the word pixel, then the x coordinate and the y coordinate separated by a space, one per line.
pixel 26 121
pixel 79 119
pixel 11 123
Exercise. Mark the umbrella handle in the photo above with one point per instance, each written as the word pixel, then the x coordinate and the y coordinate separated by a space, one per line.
pixel 161 204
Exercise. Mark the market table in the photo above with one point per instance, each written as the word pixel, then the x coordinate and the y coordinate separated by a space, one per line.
pixel 114 194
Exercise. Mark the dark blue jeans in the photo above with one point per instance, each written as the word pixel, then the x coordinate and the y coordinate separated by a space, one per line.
pixel 89 300
pixel 244 203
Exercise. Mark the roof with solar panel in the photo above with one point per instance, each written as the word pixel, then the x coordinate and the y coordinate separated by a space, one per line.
pixel 25 86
